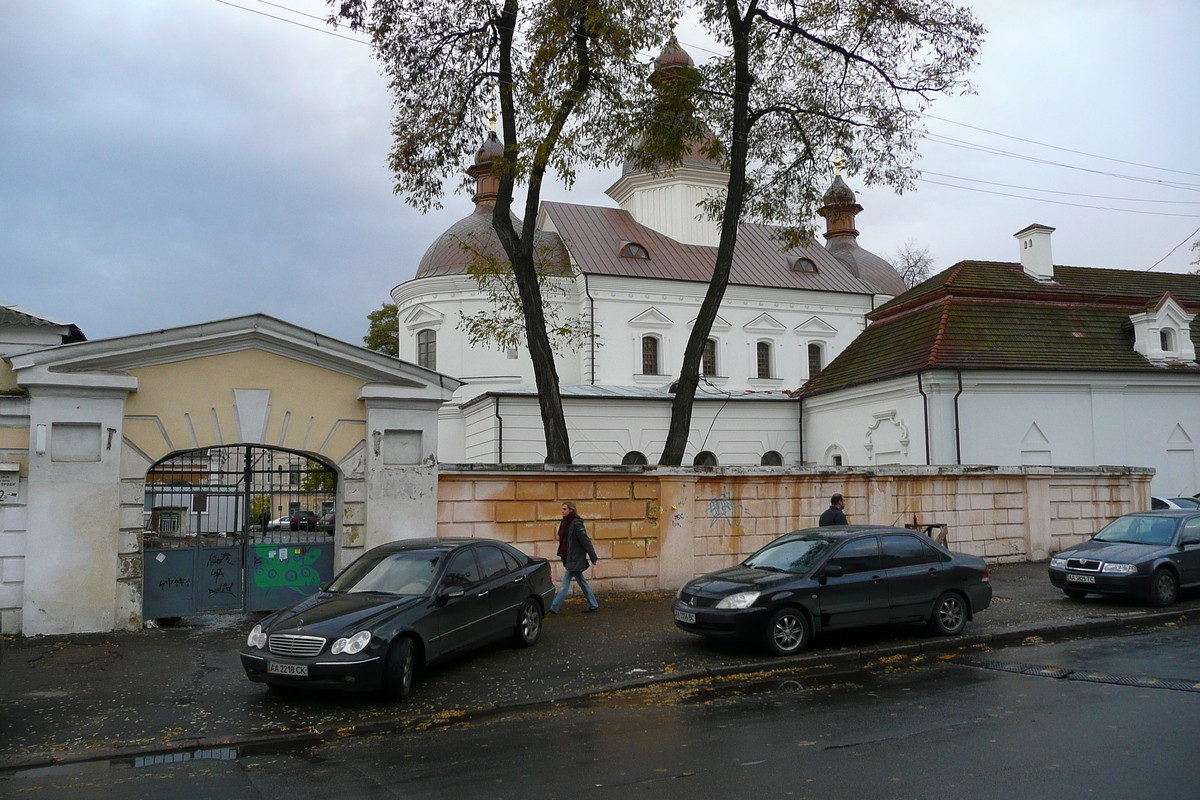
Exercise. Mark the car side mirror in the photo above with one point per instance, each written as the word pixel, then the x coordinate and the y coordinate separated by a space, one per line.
pixel 449 593
pixel 831 571
pixel 1189 540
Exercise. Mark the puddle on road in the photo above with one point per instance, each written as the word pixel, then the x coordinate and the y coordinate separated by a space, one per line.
pixel 160 759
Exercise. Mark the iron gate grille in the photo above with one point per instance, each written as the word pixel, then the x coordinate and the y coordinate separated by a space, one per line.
pixel 239 528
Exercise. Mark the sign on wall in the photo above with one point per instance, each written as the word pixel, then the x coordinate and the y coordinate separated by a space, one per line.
pixel 10 485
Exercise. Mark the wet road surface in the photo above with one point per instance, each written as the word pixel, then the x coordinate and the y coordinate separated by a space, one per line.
pixel 909 727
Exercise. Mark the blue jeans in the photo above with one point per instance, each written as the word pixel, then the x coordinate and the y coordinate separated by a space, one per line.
pixel 566 587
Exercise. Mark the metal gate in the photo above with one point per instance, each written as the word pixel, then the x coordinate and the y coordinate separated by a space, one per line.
pixel 240 528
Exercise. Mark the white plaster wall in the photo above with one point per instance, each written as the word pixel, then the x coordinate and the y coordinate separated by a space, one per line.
pixel 401 486
pixel 71 564
pixel 841 421
pixel 1124 420
pixel 12 564
pixel 602 431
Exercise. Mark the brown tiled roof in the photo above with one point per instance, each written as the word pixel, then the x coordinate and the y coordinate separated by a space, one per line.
pixel 594 236
pixel 990 315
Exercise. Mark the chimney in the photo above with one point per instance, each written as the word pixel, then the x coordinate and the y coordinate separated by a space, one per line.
pixel 1036 259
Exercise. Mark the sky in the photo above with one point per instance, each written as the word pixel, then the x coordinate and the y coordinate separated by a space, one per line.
pixel 168 162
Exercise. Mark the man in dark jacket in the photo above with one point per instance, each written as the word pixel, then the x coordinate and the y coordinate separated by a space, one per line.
pixel 834 514
pixel 578 549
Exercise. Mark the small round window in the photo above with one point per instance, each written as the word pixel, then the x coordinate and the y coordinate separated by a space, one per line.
pixel 804 265
pixel 634 250
pixel 633 458
pixel 705 458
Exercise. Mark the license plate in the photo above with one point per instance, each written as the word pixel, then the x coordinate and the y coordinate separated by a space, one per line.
pixel 1081 578
pixel 299 670
pixel 686 616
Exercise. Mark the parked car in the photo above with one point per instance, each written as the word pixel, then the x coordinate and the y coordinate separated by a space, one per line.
pixel 326 523
pixel 842 576
pixel 281 524
pixel 1165 503
pixel 398 608
pixel 1150 555
pixel 303 521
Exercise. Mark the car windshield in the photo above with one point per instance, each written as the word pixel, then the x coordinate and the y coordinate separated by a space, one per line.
pixel 789 555
pixel 404 573
pixel 1185 502
pixel 1138 530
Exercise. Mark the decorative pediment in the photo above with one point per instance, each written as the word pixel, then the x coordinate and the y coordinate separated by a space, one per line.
pixel 815 326
pixel 651 318
pixel 765 323
pixel 1179 436
pixel 423 317
pixel 886 435
pixel 719 324
pixel 1034 435
pixel 1162 333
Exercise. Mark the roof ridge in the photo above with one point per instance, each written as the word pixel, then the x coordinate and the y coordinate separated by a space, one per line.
pixel 947 302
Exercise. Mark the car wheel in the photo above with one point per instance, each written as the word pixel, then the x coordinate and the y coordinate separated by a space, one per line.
pixel 788 632
pixel 949 614
pixel 1074 594
pixel 529 624
pixel 399 670
pixel 1164 588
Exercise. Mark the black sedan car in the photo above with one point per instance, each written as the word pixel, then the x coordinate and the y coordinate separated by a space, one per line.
pixel 397 608
pixel 842 576
pixel 1148 555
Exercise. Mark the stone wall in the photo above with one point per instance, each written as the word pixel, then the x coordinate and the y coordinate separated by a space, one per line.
pixel 656 528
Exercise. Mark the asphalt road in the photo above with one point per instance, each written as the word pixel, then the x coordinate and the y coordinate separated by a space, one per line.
pixel 1122 720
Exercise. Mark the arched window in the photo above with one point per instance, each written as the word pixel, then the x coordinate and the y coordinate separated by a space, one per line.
pixel 633 458
pixel 772 458
pixel 804 265
pixel 814 360
pixel 650 355
pixel 1166 340
pixel 427 349
pixel 708 361
pixel 634 250
pixel 705 458
pixel 764 359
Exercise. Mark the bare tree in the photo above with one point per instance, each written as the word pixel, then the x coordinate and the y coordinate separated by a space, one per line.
pixel 912 262
pixel 802 79
pixel 563 71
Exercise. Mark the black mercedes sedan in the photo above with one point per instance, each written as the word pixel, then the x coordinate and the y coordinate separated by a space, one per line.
pixel 398 608
pixel 1148 555
pixel 842 576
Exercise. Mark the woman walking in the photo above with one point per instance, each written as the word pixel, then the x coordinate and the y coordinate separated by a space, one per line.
pixel 574 548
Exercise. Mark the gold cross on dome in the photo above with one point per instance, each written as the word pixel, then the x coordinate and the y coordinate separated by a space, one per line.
pixel 492 120
pixel 837 162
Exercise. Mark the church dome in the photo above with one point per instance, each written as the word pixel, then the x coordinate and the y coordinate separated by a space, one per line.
pixel 490 150
pixel 838 193
pixel 472 237
pixel 673 55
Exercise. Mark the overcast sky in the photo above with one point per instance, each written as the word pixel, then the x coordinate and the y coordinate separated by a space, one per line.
pixel 165 162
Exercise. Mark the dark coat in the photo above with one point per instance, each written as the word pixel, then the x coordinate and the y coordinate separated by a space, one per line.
pixel 579 548
pixel 833 516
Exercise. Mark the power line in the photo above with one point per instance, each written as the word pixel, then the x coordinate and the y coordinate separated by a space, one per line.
pixel 1070 194
pixel 292 21
pixel 1063 149
pixel 1173 249
pixel 1060 202
pixel 938 139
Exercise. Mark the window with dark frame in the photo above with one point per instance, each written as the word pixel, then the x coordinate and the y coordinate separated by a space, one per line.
pixel 427 349
pixel 705 458
pixel 708 361
pixel 650 355
pixel 764 360
pixel 634 250
pixel 814 360
pixel 804 265
pixel 1166 340
pixel 634 459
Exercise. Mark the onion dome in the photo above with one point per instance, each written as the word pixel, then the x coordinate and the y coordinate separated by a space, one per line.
pixel 473 239
pixel 490 150
pixel 673 55
pixel 838 194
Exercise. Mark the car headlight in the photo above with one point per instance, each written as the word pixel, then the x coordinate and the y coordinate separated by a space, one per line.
pixel 1058 563
pixel 739 600
pixel 351 644
pixel 1120 569
pixel 257 638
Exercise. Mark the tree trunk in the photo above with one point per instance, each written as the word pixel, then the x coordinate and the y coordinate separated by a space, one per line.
pixel 689 376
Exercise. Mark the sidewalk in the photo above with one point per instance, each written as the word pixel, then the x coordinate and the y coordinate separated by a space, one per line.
pixel 94 696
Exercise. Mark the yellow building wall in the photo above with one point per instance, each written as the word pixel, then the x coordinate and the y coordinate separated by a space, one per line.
pixel 188 404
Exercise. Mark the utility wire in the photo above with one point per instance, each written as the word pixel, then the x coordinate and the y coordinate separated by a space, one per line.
pixel 1063 149
pixel 1060 202
pixel 292 21
pixel 1070 194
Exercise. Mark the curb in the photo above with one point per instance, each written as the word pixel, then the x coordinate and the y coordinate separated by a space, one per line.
pixel 267 741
